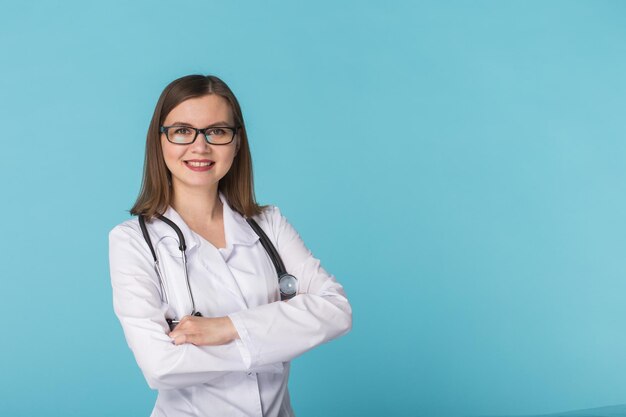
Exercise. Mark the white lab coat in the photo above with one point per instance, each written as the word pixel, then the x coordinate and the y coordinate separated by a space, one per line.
pixel 247 377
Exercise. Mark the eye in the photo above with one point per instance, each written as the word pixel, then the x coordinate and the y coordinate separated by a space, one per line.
pixel 181 131
pixel 217 131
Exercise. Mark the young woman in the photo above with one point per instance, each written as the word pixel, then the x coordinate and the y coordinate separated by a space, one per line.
pixel 215 293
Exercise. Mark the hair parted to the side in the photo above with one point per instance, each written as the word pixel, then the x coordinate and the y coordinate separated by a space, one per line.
pixel 156 190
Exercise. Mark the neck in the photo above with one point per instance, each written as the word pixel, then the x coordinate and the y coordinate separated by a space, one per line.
pixel 197 205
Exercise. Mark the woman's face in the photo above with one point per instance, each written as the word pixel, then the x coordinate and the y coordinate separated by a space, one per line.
pixel 199 165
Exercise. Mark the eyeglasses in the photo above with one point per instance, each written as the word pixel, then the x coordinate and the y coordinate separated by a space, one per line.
pixel 185 135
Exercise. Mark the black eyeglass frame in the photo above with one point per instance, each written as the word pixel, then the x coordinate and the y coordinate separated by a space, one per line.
pixel 235 129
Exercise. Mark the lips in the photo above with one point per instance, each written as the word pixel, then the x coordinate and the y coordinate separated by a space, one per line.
pixel 199 164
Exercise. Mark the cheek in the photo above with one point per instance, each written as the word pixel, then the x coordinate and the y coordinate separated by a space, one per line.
pixel 170 154
pixel 229 156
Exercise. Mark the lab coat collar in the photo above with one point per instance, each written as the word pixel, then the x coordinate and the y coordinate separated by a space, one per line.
pixel 191 239
pixel 236 229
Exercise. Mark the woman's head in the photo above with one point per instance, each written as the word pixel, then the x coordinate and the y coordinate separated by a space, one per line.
pixel 202 101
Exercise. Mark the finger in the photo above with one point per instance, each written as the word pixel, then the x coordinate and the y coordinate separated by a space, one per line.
pixel 177 332
pixel 192 338
pixel 185 323
pixel 180 339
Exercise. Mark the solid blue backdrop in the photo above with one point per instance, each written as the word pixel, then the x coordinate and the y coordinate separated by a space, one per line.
pixel 459 166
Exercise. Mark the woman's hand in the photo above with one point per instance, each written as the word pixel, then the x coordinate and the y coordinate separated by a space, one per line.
pixel 204 331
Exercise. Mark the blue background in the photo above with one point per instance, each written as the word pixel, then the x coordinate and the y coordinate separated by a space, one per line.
pixel 459 166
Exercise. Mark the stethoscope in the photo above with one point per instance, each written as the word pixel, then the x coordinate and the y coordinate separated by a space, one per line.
pixel 287 283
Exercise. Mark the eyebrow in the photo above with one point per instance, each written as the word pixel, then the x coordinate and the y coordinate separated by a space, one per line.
pixel 220 123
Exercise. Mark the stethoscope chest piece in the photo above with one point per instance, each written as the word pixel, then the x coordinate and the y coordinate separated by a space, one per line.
pixel 288 285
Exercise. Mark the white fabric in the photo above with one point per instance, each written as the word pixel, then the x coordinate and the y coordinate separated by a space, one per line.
pixel 247 377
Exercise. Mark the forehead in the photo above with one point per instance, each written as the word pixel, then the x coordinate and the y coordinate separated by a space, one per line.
pixel 201 111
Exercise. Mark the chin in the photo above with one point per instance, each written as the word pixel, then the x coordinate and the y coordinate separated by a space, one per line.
pixel 197 184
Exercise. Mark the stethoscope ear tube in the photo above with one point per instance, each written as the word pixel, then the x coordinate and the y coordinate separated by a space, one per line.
pixel 181 239
pixel 146 236
pixel 182 246
pixel 269 248
pixel 287 283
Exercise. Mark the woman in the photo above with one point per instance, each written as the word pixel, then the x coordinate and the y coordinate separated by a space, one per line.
pixel 229 354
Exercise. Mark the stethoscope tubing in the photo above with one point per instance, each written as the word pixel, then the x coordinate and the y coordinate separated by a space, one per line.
pixel 182 246
pixel 269 248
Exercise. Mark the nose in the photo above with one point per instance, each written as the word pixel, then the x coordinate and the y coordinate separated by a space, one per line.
pixel 200 145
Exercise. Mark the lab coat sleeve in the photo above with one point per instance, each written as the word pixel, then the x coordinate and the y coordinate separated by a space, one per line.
pixel 137 304
pixel 283 330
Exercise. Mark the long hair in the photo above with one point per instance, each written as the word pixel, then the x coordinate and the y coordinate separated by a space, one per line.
pixel 156 190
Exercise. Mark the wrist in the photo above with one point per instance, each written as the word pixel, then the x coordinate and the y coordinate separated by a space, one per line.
pixel 230 330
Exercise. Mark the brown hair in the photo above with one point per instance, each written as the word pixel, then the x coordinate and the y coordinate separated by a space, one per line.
pixel 237 185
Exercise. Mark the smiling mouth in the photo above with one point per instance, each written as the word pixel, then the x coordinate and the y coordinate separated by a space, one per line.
pixel 198 164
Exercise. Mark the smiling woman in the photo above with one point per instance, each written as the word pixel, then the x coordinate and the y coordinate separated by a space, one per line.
pixel 204 279
pixel 199 155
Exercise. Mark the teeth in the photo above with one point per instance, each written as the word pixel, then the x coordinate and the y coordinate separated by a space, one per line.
pixel 199 164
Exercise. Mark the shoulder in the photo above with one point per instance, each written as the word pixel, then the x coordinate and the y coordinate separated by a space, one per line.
pixel 270 217
pixel 275 224
pixel 127 244
pixel 127 228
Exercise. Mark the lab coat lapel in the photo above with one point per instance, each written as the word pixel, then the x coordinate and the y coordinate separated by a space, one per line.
pixel 166 243
pixel 205 256
pixel 236 229
pixel 237 232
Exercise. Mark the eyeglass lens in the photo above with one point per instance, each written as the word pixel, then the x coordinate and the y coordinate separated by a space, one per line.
pixel 185 135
